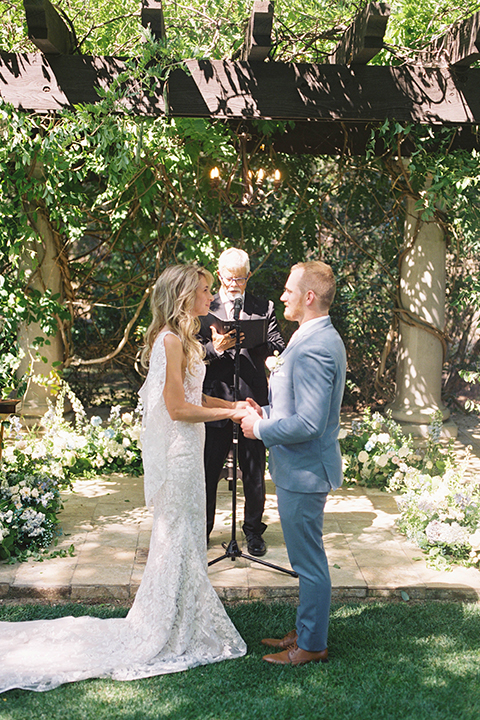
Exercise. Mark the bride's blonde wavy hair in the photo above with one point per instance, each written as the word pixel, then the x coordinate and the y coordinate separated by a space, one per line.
pixel 171 304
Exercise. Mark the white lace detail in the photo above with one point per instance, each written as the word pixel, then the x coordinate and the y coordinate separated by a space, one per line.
pixel 177 620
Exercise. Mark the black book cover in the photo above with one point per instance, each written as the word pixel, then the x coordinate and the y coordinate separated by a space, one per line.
pixel 254 331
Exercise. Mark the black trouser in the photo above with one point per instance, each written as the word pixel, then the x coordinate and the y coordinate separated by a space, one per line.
pixel 251 459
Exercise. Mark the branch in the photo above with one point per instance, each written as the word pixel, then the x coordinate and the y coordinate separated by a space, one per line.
pixel 98 361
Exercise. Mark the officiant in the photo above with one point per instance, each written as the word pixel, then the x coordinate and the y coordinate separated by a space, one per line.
pixel 233 274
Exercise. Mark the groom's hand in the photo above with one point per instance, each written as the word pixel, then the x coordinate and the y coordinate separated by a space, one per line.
pixel 247 424
pixel 251 402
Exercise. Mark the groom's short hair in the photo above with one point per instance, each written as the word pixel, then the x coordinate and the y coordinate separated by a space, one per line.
pixel 319 277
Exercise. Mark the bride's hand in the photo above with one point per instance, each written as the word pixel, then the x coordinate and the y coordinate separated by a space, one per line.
pixel 238 413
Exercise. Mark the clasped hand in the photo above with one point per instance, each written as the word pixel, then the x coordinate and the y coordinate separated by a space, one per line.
pixel 251 413
pixel 246 408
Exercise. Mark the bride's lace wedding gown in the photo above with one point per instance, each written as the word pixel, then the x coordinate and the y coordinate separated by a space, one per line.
pixel 177 620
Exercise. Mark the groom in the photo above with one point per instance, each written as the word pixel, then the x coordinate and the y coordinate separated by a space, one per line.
pixel 300 428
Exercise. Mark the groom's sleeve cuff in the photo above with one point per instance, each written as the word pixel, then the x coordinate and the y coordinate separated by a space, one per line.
pixel 256 430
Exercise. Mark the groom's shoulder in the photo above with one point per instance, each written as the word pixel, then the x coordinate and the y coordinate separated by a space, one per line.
pixel 326 339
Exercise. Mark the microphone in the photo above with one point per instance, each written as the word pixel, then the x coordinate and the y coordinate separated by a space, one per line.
pixel 237 306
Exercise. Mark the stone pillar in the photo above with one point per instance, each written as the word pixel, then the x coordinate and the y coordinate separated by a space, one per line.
pixel 47 275
pixel 420 353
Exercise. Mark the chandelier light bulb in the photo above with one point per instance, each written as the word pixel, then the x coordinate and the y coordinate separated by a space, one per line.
pixel 215 176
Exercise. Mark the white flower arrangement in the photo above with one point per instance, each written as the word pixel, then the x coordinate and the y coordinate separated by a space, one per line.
pixel 439 507
pixel 36 464
pixel 29 503
pixel 274 362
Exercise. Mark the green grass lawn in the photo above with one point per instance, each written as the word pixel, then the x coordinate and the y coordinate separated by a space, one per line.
pixel 388 660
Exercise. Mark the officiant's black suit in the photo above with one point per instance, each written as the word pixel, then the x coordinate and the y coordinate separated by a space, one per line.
pixel 252 383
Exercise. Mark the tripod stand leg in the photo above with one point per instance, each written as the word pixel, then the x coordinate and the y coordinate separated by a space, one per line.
pixel 231 551
pixel 275 567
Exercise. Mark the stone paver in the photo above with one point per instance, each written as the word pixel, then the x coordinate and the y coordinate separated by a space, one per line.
pixel 106 521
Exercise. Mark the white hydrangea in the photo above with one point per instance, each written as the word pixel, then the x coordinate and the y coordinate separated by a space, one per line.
pixel 474 540
pixel 135 433
pixel 443 533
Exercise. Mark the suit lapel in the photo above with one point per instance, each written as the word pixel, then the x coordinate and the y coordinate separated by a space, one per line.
pixel 218 308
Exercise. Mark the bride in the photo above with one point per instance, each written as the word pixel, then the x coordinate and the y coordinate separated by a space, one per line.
pixel 177 620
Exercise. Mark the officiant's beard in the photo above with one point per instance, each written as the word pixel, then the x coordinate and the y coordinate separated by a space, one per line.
pixel 232 294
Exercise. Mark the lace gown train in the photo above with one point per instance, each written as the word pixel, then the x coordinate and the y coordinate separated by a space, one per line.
pixel 177 620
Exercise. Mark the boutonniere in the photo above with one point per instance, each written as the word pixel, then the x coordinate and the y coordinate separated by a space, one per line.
pixel 274 362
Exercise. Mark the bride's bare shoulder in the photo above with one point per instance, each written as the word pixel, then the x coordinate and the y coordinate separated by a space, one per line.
pixel 171 341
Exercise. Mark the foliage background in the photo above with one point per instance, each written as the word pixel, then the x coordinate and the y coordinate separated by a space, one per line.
pixel 125 196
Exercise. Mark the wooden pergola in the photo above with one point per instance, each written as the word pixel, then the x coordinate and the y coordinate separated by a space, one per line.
pixel 334 105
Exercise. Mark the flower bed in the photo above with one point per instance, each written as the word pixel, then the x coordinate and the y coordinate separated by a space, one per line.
pixel 441 514
pixel 439 505
pixel 29 504
pixel 38 463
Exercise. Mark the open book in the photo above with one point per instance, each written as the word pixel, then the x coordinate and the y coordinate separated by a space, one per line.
pixel 254 331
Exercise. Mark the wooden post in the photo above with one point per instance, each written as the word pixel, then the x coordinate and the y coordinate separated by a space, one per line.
pixel 258 40
pixel 47 29
pixel 152 15
pixel 460 47
pixel 364 38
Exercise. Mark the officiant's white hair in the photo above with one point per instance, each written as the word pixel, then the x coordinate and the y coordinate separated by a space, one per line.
pixel 234 259
pixel 319 277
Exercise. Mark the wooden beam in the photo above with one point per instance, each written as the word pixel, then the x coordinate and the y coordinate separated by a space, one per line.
pixel 258 37
pixel 283 91
pixel 364 38
pixel 47 84
pixel 47 29
pixel 351 138
pixel 460 47
pixel 222 89
pixel 152 14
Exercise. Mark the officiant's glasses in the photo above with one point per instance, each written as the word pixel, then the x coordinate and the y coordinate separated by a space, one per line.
pixel 232 280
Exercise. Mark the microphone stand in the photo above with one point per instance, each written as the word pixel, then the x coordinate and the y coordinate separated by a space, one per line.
pixel 232 550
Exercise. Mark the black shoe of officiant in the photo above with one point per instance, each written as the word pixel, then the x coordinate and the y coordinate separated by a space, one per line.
pixel 256 545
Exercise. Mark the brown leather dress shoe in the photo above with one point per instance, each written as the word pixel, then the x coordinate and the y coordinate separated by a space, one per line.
pixel 283 643
pixel 296 656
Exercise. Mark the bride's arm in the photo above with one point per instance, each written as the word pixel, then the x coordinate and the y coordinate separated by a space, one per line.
pixel 213 402
pixel 174 394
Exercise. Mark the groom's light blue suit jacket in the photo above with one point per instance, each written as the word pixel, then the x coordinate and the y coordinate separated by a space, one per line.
pixel 305 395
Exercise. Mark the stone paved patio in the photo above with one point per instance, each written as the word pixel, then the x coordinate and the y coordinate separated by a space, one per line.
pixel 106 521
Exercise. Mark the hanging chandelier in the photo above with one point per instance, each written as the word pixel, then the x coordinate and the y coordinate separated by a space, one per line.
pixel 247 189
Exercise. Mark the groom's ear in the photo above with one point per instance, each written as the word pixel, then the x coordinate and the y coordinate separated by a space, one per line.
pixel 310 297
